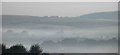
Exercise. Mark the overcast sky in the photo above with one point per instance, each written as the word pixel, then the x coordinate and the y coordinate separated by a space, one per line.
pixel 59 0
pixel 57 8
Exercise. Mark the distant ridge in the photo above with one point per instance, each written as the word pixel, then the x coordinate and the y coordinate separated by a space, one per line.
pixel 90 15
pixel 106 15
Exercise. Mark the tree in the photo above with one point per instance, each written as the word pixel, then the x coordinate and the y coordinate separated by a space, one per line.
pixel 19 48
pixel 0 48
pixel 3 48
pixel 36 49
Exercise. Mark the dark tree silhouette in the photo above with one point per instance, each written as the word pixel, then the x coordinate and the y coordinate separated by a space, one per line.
pixel 19 48
pixel 4 49
pixel 36 49
pixel 0 48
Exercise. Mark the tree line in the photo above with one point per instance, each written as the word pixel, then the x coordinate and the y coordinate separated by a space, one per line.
pixel 19 49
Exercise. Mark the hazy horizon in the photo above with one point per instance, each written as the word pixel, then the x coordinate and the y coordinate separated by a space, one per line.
pixel 92 26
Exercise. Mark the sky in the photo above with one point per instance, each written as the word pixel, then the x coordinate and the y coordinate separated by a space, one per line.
pixel 59 0
pixel 57 8
pixel 24 22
